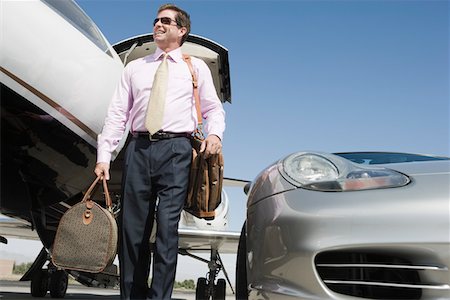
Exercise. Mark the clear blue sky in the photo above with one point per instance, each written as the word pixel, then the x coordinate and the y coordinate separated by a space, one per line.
pixel 316 75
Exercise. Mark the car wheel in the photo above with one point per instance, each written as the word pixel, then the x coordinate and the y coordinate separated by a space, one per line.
pixel 39 284
pixel 200 290
pixel 58 284
pixel 241 267
pixel 220 289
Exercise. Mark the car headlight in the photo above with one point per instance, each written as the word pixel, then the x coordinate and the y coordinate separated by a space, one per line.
pixel 317 172
pixel 309 168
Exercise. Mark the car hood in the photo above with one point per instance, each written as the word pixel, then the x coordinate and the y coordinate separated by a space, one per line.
pixel 421 167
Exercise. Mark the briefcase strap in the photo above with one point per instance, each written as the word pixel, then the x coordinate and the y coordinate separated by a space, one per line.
pixel 91 189
pixel 198 133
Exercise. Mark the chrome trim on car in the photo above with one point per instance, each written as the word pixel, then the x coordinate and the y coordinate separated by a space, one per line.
pixel 389 266
pixel 395 285
pixel 388 275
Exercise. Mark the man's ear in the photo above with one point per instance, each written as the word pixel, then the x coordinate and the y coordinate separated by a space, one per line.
pixel 182 31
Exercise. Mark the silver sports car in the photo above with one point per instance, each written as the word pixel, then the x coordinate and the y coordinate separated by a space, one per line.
pixel 370 225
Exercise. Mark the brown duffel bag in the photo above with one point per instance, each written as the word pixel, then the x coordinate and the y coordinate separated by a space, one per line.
pixel 206 175
pixel 86 238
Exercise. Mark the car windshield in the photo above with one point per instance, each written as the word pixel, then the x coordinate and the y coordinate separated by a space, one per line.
pixel 374 158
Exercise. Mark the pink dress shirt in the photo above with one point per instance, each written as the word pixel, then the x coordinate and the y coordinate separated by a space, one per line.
pixel 130 99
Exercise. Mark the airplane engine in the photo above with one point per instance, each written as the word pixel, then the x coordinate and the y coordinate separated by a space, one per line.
pixel 220 221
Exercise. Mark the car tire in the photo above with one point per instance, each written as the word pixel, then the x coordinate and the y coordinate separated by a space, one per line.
pixel 58 284
pixel 39 284
pixel 241 267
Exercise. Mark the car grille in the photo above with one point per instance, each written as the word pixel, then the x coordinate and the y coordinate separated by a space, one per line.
pixel 374 276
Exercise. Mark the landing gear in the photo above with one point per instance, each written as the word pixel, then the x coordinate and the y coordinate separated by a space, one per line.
pixel 220 289
pixel 43 280
pixel 206 288
pixel 39 284
pixel 201 289
pixel 58 284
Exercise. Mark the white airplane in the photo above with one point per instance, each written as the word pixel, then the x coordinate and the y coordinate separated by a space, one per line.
pixel 58 73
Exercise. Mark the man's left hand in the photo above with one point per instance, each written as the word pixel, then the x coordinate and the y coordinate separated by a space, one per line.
pixel 211 145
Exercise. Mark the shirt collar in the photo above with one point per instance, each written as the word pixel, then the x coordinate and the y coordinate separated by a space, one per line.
pixel 175 54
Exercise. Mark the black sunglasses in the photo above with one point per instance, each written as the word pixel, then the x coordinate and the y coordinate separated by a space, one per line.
pixel 164 20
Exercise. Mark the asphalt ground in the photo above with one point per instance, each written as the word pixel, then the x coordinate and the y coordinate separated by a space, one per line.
pixel 11 289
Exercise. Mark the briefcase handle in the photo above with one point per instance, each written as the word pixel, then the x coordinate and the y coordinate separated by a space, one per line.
pixel 91 190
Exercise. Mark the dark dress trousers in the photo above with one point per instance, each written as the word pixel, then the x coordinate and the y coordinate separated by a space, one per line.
pixel 153 170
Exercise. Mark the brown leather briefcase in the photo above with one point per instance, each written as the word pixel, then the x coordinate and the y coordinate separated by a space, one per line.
pixel 206 175
pixel 86 238
pixel 205 183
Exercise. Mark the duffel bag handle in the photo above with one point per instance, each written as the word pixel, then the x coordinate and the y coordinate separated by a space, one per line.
pixel 92 188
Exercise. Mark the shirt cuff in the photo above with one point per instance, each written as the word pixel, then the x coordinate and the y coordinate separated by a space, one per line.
pixel 220 135
pixel 103 157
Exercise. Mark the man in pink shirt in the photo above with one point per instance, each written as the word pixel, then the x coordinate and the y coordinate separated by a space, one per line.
pixel 157 166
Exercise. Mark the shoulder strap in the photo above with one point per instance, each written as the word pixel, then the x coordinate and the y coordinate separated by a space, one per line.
pixel 187 59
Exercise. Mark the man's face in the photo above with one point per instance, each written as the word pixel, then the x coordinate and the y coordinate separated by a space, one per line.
pixel 167 36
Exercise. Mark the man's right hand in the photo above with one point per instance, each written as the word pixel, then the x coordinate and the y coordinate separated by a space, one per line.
pixel 102 169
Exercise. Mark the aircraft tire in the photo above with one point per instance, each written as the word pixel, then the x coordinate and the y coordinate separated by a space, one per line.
pixel 201 289
pixel 220 289
pixel 58 284
pixel 39 284
pixel 241 267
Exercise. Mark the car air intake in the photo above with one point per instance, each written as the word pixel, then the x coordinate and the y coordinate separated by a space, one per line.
pixel 373 276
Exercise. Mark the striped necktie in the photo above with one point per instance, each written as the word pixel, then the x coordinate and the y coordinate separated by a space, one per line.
pixel 155 108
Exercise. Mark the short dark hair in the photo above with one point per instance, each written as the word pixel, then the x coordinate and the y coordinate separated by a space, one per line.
pixel 182 18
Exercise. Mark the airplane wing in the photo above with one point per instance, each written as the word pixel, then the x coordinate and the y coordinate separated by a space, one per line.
pixel 190 239
pixel 15 228
pixel 235 182
pixel 195 240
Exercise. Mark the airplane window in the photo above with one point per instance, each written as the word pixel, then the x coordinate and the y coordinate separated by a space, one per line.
pixel 73 13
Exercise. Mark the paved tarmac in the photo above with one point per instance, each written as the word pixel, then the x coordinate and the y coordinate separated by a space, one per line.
pixel 21 290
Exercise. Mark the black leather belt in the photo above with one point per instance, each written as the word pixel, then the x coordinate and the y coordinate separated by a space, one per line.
pixel 160 135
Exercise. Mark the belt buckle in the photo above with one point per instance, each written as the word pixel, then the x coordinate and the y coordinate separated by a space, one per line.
pixel 152 139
